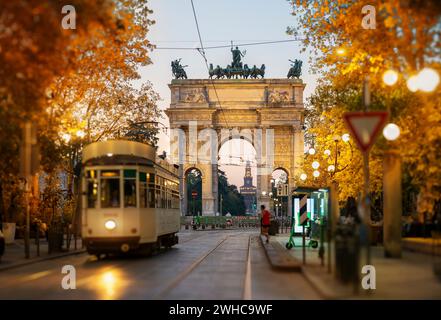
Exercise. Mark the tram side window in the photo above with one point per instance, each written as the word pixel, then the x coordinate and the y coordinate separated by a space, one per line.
pixel 151 190
pixel 129 188
pixel 143 190
pixel 110 191
pixel 92 189
pixel 175 195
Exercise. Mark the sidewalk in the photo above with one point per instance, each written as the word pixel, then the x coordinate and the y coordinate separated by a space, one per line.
pixel 410 277
pixel 15 253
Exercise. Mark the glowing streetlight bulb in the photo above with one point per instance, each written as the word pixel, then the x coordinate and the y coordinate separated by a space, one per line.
pixel 303 176
pixel 412 83
pixel 311 151
pixel 80 134
pixel 346 137
pixel 341 51
pixel 428 80
pixel 327 152
pixel 331 168
pixel 263 193
pixel 315 165
pixel 391 131
pixel 66 137
pixel 316 174
pixel 390 77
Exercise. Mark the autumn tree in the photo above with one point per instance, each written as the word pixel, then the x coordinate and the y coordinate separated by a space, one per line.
pixel 64 80
pixel 405 39
pixel 34 50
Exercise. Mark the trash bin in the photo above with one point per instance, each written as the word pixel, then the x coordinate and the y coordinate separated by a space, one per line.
pixel 274 228
pixel 346 253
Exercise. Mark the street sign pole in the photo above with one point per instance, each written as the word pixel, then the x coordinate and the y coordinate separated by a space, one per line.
pixel 367 205
pixel 304 245
pixel 365 128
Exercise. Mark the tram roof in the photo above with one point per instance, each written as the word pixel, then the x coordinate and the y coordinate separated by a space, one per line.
pixel 111 148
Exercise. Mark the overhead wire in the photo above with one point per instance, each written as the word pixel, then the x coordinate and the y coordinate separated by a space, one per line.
pixel 227 46
pixel 202 52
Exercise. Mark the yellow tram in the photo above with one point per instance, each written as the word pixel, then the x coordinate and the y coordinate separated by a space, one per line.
pixel 130 198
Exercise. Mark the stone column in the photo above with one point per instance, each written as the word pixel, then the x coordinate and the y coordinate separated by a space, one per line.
pixel 392 204
pixel 264 145
pixel 263 185
pixel 207 190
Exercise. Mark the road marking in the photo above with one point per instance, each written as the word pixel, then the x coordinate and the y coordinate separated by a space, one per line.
pixel 247 284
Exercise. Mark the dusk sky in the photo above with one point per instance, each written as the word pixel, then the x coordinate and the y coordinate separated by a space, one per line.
pixel 221 22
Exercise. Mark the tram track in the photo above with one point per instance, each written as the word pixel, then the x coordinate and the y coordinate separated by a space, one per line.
pixel 200 234
pixel 184 274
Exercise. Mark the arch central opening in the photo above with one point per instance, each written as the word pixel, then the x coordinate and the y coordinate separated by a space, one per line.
pixel 237 177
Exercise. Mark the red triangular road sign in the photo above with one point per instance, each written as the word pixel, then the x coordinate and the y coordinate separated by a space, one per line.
pixel 365 126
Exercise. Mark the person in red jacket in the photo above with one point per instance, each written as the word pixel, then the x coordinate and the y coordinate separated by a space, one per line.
pixel 266 217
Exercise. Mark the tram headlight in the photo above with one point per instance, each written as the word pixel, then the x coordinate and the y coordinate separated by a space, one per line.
pixel 110 224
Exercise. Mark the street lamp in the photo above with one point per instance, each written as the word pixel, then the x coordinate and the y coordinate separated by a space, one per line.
pixel 316 174
pixel 315 165
pixel 66 137
pixel 341 51
pixel 303 176
pixel 331 168
pixel 390 77
pixel 391 132
pixel 311 151
pixel 80 134
pixel 412 83
pixel 346 137
pixel 428 80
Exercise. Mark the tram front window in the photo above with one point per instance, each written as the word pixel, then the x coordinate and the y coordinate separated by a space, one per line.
pixel 110 191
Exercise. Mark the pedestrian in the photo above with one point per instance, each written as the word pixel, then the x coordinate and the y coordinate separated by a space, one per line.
pixel 265 222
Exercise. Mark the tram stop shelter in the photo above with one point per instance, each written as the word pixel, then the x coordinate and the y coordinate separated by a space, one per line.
pixel 317 205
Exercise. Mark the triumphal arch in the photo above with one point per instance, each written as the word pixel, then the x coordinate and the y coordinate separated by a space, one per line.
pixel 204 113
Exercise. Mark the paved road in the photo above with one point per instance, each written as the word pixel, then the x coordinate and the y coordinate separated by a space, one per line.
pixel 205 265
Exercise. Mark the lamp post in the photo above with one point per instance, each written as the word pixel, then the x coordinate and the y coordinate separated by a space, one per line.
pixel 331 169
